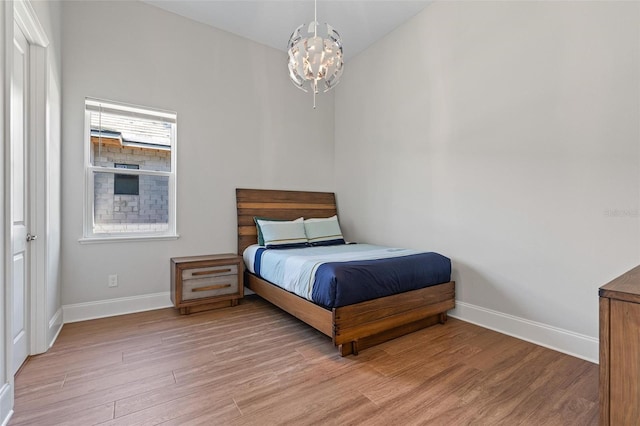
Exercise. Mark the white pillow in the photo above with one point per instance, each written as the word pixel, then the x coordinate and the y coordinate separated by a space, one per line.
pixel 286 234
pixel 323 232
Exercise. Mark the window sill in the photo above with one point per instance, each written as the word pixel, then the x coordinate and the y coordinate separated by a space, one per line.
pixel 132 238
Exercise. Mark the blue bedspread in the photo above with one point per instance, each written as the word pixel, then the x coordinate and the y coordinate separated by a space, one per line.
pixel 340 284
pixel 368 272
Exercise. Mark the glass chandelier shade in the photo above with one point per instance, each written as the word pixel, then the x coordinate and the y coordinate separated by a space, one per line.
pixel 315 62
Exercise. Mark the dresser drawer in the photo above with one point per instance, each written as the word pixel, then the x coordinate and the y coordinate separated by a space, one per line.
pixel 209 271
pixel 209 286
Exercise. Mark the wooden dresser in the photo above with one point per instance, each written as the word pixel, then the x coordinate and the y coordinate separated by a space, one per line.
pixel 206 282
pixel 620 350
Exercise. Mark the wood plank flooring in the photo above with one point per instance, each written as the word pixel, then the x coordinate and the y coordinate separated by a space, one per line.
pixel 255 365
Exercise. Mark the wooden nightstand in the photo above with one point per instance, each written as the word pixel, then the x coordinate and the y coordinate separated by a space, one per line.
pixel 199 283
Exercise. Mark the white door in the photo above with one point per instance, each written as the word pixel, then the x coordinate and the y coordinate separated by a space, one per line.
pixel 19 198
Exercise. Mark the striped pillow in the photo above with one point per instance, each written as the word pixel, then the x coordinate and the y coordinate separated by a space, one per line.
pixel 259 231
pixel 283 234
pixel 323 232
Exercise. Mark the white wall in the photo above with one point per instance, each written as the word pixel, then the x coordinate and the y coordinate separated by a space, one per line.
pixel 240 124
pixel 506 136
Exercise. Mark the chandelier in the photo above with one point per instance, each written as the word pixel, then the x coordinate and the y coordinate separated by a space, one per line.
pixel 313 60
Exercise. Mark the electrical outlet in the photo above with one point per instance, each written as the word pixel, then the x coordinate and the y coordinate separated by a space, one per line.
pixel 113 280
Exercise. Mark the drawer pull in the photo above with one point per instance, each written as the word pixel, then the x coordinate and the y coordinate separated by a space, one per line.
pixel 217 271
pixel 211 287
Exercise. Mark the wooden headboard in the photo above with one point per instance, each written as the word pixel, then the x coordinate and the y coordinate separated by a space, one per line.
pixel 275 204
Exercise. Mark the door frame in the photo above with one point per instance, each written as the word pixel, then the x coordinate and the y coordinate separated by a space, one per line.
pixel 22 12
pixel 38 41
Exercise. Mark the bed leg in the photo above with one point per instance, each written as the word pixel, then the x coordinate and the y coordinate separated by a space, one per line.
pixel 443 317
pixel 344 349
pixel 348 348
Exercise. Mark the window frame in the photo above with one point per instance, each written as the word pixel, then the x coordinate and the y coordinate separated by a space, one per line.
pixel 89 236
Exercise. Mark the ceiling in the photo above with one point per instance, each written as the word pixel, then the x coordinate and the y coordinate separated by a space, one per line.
pixel 271 22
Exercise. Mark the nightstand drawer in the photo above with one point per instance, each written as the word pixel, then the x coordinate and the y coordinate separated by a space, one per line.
pixel 210 271
pixel 199 288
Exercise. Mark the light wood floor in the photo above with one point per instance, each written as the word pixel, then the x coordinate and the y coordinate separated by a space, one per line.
pixel 253 364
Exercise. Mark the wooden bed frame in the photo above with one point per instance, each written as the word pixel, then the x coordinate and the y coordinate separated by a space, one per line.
pixel 352 327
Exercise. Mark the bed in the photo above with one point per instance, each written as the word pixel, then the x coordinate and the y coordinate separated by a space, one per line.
pixel 352 327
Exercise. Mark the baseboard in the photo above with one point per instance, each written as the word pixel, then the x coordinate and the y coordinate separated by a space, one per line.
pixel 565 341
pixel 6 409
pixel 112 307
pixel 55 326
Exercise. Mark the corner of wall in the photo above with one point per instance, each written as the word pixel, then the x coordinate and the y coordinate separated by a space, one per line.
pixel 55 327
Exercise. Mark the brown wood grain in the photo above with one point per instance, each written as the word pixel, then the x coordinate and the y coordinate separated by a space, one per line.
pixel 624 385
pixel 254 364
pixel 275 195
pixel 249 230
pixel 604 361
pixel 408 301
pixel 348 330
pixel 284 206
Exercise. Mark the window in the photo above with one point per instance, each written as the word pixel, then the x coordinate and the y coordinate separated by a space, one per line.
pixel 130 158
pixel 126 184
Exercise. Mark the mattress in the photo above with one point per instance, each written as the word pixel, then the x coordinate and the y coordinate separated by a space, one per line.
pixel 346 274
